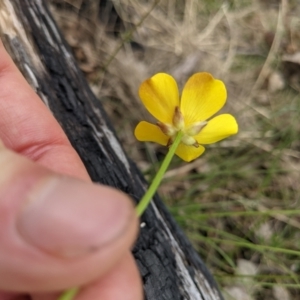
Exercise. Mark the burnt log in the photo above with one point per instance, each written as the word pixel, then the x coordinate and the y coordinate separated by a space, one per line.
pixel 170 267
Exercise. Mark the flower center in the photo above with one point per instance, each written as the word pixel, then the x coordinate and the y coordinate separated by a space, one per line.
pixel 177 125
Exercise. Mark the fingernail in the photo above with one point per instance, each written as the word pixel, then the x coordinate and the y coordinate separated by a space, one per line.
pixel 68 217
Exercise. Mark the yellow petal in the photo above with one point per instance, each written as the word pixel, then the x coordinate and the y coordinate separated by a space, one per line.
pixel 189 153
pixel 202 97
pixel 217 129
pixel 160 96
pixel 147 132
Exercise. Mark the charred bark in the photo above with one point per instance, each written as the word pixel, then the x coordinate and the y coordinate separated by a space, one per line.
pixel 170 267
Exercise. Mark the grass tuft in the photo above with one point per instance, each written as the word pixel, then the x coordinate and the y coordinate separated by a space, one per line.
pixel 239 203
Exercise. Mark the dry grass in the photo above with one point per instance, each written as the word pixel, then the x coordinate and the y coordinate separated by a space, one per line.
pixel 239 203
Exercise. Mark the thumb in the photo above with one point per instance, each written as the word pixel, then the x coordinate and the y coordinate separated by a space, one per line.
pixel 57 231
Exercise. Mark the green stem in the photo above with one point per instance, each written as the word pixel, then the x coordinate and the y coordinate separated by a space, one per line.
pixel 141 207
pixel 69 294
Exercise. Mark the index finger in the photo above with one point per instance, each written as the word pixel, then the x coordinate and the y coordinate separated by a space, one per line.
pixel 29 128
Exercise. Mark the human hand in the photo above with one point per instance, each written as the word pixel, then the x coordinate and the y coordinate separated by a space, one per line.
pixel 57 229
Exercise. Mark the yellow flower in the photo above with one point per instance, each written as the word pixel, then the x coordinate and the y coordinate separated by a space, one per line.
pixel 201 98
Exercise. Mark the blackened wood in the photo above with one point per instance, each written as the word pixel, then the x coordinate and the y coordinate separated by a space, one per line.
pixel 170 267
